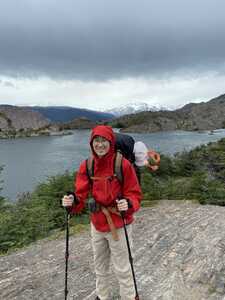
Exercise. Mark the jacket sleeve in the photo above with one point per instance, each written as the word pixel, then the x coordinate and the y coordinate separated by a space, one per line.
pixel 131 187
pixel 82 188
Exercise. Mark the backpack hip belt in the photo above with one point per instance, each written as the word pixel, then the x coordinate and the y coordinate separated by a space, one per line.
pixel 107 211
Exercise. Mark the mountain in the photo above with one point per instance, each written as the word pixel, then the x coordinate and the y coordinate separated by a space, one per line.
pixel 133 108
pixel 193 116
pixel 16 121
pixel 67 114
pixel 16 118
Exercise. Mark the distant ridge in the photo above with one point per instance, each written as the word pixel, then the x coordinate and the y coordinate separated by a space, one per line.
pixel 26 121
pixel 66 114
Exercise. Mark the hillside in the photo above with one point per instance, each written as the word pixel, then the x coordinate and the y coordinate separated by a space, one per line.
pixel 193 116
pixel 18 118
pixel 18 121
pixel 179 254
pixel 79 123
pixel 66 114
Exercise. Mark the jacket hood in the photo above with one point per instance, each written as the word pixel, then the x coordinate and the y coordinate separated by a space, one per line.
pixel 106 132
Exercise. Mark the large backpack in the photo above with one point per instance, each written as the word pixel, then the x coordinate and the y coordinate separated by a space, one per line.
pixel 124 148
pixel 125 145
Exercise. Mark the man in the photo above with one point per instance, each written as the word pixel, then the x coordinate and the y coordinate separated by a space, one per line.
pixel 111 197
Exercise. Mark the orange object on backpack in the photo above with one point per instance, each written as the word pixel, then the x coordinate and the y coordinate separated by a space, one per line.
pixel 155 160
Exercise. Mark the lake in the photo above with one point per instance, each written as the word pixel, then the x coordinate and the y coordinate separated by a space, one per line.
pixel 29 161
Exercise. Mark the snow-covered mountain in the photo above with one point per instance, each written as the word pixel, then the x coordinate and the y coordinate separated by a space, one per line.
pixel 133 108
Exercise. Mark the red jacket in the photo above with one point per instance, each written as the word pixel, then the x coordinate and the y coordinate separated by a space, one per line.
pixel 105 191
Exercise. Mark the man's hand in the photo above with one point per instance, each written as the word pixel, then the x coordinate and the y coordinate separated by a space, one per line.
pixel 122 205
pixel 68 200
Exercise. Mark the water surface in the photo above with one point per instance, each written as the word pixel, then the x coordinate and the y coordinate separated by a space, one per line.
pixel 28 161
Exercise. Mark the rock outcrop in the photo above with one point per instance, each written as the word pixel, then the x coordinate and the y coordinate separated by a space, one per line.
pixel 23 122
pixel 17 118
pixel 179 255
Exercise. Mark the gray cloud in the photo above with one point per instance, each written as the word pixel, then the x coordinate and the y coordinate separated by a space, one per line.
pixel 7 83
pixel 110 39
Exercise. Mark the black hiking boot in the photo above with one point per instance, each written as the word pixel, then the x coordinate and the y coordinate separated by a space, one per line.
pixel 97 298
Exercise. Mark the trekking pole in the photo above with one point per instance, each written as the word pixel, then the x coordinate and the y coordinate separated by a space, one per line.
pixel 67 252
pixel 130 255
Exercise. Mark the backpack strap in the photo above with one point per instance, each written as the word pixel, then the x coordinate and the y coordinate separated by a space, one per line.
pixel 90 167
pixel 118 170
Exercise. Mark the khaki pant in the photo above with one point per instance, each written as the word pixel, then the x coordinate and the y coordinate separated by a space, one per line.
pixel 105 248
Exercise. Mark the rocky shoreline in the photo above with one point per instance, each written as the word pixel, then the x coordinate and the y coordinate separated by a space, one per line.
pixel 33 133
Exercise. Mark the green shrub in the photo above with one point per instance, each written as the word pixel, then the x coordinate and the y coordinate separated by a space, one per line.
pixel 35 215
pixel 196 175
pixel 2 199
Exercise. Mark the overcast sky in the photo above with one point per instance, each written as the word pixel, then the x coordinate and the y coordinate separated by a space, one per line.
pixel 100 54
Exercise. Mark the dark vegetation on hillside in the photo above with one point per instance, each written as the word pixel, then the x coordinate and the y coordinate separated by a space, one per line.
pixel 66 114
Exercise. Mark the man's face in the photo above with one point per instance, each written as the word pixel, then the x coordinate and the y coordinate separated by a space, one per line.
pixel 101 145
